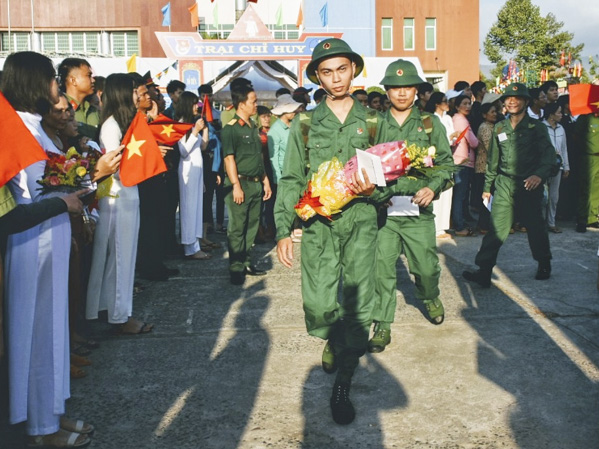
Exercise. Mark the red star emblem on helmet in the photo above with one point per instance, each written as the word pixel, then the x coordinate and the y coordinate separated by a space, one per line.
pixel 326 46
pixel 515 88
pixel 399 72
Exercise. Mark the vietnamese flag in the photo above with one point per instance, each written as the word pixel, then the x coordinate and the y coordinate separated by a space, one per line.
pixel 207 109
pixel 168 131
pixel 584 98
pixel 18 147
pixel 141 157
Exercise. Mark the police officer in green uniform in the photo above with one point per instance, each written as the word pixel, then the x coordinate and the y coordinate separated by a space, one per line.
pixel 242 152
pixel 414 235
pixel 520 158
pixel 342 248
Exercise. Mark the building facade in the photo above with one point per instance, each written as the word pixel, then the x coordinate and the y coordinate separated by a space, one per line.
pixel 442 35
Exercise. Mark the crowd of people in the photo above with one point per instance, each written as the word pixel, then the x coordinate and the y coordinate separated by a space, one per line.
pixel 515 162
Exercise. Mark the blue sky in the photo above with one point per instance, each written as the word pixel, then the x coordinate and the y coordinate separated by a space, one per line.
pixel 580 17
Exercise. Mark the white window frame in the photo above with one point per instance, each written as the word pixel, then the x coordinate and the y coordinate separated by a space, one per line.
pixel 389 29
pixel 412 29
pixel 426 29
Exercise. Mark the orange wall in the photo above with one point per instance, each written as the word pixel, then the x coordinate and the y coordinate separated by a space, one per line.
pixel 141 15
pixel 457 35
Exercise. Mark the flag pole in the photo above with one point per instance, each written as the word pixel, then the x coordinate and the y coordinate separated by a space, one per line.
pixel 9 40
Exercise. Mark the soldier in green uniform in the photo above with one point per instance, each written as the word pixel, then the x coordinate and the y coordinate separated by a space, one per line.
pixel 520 158
pixel 242 152
pixel 342 248
pixel 415 235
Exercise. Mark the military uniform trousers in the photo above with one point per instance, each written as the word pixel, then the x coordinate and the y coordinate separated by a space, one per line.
pixel 341 249
pixel 415 237
pixel 511 197
pixel 244 219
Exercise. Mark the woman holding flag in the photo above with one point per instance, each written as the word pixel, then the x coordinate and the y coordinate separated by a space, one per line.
pixel 191 176
pixel 115 243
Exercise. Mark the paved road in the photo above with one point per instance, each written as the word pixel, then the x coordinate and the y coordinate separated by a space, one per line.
pixel 515 366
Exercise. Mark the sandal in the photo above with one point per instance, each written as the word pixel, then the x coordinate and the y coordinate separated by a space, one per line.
pixel 210 244
pixel 77 360
pixel 88 343
pixel 77 373
pixel 80 349
pixel 142 328
pixel 76 426
pixel 466 232
pixel 200 255
pixel 555 230
pixel 59 440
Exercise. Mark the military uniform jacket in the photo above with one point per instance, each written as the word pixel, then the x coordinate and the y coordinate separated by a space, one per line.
pixel 413 131
pixel 327 138
pixel 519 153
pixel 242 140
pixel 87 116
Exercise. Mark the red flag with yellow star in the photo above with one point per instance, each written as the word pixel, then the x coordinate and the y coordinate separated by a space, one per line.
pixel 18 147
pixel 168 131
pixel 141 157
pixel 584 98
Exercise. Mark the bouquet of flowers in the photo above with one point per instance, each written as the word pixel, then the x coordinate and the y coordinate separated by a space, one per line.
pixel 68 172
pixel 328 191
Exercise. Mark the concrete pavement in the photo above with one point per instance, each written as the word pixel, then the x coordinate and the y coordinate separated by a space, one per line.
pixel 514 366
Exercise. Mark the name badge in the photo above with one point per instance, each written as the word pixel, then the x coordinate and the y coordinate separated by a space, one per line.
pixel 502 137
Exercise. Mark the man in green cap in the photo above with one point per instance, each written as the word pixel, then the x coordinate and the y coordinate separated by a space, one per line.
pixel 520 158
pixel 242 152
pixel 412 234
pixel 341 248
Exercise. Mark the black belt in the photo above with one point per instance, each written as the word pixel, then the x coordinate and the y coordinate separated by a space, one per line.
pixel 250 178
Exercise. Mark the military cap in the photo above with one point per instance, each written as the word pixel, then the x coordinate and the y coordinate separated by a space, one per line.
pixel 330 48
pixel 516 90
pixel 401 73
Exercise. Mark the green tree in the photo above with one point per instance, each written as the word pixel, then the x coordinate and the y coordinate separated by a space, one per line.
pixel 534 42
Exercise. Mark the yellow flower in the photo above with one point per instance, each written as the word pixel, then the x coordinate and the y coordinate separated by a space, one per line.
pixel 81 171
pixel 71 152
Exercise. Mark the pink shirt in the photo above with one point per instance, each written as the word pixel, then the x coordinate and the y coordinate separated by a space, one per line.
pixel 464 153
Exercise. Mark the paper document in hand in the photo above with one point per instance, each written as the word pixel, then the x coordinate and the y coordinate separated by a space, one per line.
pixel 402 206
pixel 373 166
pixel 488 202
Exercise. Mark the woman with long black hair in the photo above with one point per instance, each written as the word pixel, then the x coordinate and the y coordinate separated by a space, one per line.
pixel 115 242
pixel 36 278
pixel 191 176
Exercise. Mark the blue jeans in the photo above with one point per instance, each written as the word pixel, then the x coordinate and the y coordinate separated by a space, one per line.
pixel 460 190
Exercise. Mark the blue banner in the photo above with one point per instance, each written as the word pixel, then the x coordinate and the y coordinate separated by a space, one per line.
pixel 166 15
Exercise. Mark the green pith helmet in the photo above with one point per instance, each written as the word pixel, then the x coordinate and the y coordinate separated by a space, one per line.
pixel 330 48
pixel 401 73
pixel 516 90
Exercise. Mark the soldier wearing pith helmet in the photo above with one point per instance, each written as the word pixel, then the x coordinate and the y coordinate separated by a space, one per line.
pixel 414 234
pixel 343 246
pixel 519 161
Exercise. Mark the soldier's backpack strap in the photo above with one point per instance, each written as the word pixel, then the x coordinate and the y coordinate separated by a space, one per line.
pixel 305 119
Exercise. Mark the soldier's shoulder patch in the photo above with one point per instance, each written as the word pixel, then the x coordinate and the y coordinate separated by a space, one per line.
pixel 232 121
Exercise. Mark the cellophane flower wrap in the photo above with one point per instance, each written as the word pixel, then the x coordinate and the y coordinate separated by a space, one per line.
pixel 328 191
pixel 68 172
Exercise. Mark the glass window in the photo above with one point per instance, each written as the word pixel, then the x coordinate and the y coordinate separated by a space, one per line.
pixel 431 34
pixel 62 43
pixel 49 42
pixel 132 43
pixel 118 43
pixel 387 34
pixel 91 42
pixel 408 34
pixel 21 42
pixel 77 45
